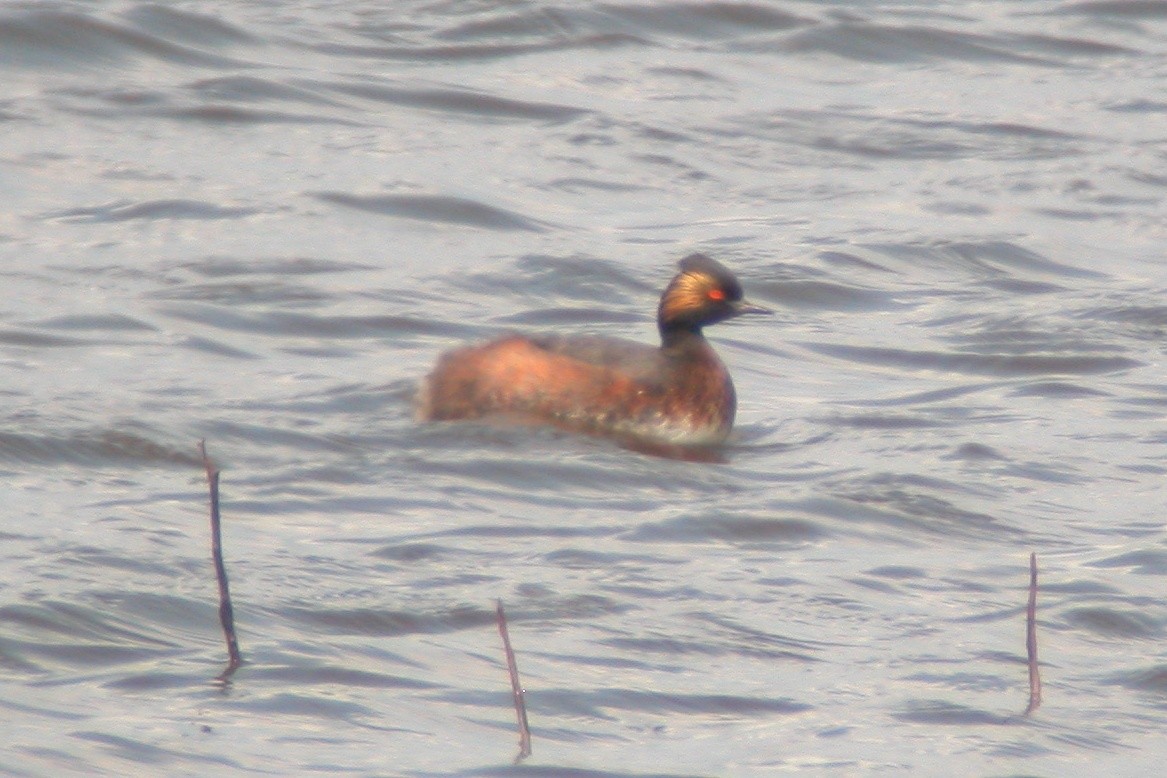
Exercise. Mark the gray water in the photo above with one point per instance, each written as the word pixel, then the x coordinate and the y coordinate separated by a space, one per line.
pixel 258 223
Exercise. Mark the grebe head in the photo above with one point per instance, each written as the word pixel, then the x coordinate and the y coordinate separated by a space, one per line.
pixel 704 292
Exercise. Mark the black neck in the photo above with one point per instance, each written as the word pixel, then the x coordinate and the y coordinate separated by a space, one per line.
pixel 679 337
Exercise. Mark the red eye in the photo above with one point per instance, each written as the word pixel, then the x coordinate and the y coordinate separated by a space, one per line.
pixel 716 294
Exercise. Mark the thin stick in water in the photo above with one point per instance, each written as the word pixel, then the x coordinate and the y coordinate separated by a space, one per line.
pixel 516 688
pixel 1031 639
pixel 226 612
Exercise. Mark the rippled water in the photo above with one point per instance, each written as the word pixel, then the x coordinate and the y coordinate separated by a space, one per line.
pixel 258 223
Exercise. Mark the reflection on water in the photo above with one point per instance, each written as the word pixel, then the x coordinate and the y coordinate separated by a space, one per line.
pixel 258 224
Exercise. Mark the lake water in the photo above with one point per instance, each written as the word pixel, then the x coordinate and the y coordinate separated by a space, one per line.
pixel 258 223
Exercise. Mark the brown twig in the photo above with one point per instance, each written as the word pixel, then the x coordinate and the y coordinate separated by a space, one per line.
pixel 516 688
pixel 226 612
pixel 1031 639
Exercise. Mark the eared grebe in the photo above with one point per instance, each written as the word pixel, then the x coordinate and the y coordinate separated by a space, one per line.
pixel 679 394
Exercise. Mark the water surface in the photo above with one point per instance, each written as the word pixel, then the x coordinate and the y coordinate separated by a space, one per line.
pixel 258 224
